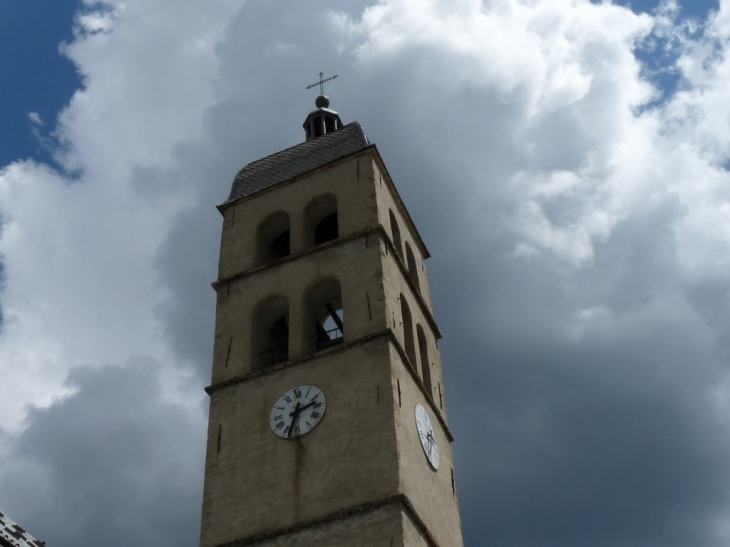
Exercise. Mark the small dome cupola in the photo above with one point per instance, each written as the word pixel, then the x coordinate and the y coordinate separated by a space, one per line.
pixel 322 120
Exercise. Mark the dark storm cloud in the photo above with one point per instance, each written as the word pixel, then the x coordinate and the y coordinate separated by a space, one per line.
pixel 114 464
pixel 187 267
pixel 604 435
pixel 603 444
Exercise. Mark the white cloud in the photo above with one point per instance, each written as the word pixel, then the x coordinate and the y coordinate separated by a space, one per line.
pixel 79 251
pixel 35 118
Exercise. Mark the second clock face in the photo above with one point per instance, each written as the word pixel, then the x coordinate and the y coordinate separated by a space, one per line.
pixel 427 436
pixel 297 412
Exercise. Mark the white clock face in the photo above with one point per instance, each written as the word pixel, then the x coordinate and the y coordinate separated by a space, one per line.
pixel 297 411
pixel 427 436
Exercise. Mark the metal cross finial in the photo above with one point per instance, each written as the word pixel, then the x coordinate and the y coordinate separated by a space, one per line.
pixel 321 82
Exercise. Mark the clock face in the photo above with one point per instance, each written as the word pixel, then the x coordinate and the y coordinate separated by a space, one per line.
pixel 427 436
pixel 297 411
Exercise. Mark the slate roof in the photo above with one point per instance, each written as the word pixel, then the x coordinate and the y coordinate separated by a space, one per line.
pixel 297 160
pixel 13 535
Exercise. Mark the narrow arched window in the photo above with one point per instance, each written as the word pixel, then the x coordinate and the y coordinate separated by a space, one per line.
pixel 325 321
pixel 320 220
pixel 408 332
pixel 270 336
pixel 412 268
pixel 273 238
pixel 395 231
pixel 425 365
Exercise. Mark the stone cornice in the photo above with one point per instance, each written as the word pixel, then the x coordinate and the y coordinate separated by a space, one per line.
pixel 379 230
pixel 400 499
pixel 210 390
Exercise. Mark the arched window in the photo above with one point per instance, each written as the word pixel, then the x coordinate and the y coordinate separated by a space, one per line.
pixel 326 229
pixel 412 268
pixel 425 365
pixel 270 336
pixel 273 238
pixel 320 219
pixel 408 332
pixel 396 233
pixel 324 324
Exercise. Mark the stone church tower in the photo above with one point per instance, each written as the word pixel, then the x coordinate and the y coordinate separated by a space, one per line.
pixel 328 423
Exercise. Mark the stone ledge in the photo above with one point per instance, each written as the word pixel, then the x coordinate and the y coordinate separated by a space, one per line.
pixel 401 499
pixel 337 349
pixel 380 230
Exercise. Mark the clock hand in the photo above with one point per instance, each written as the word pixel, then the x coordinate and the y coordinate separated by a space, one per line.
pixel 431 444
pixel 310 403
pixel 293 418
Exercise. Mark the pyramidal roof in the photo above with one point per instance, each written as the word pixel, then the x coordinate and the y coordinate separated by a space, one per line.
pixel 297 160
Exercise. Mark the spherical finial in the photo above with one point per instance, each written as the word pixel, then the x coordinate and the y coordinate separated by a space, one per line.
pixel 322 101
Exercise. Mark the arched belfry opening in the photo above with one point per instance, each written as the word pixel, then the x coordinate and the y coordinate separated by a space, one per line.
pixel 320 218
pixel 270 336
pixel 326 229
pixel 324 326
pixel 273 238
pixel 322 120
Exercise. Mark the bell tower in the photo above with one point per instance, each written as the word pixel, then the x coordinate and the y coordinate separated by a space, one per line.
pixel 328 422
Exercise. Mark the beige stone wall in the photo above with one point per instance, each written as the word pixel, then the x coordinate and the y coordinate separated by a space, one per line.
pixel 430 492
pixel 366 448
pixel 388 201
pixel 350 180
pixel 412 536
pixel 260 482
pixel 394 285
pixel 355 264
pixel 382 527
pixel 386 526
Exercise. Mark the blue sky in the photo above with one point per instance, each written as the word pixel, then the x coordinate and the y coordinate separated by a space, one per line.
pixel 572 194
pixel 36 77
pixel 697 8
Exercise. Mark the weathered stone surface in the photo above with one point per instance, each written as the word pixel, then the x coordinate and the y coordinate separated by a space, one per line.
pixel 271 491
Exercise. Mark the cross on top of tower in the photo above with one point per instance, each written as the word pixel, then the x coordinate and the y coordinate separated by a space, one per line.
pixel 321 82
pixel 323 120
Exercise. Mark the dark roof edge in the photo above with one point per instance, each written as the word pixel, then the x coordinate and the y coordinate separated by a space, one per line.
pixel 226 204
pixel 378 158
pixel 352 125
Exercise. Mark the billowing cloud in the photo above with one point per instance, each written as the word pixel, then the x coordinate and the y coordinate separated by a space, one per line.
pixel 577 214
pixel 100 464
